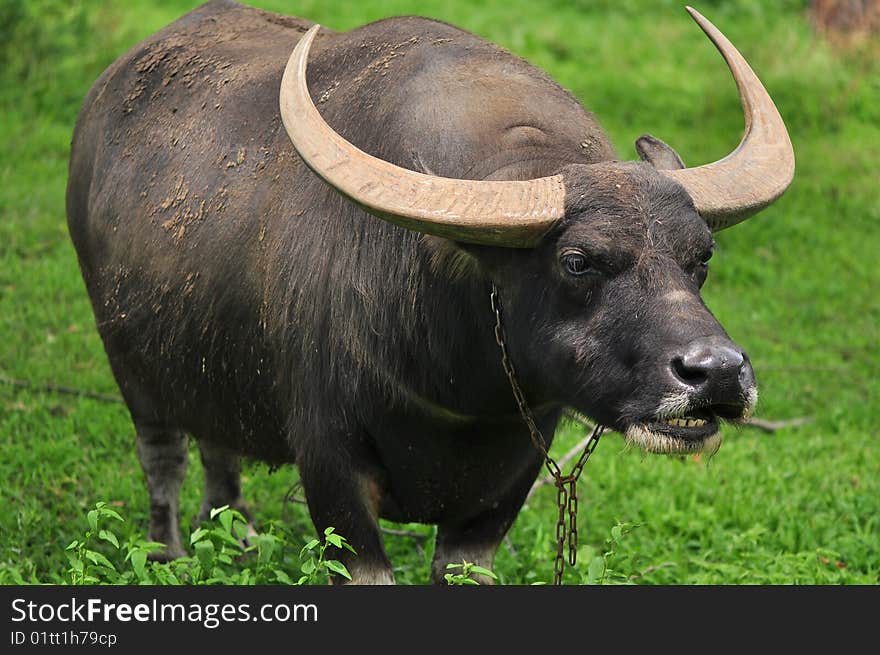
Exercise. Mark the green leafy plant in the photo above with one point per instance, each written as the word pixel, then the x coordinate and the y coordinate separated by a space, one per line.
pixel 607 566
pixel 315 562
pixel 465 571
pixel 87 564
pixel 225 551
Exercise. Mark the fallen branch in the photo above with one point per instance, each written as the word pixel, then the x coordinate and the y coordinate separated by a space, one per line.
pixel 565 459
pixel 773 426
pixel 760 424
pixel 57 388
pixel 651 569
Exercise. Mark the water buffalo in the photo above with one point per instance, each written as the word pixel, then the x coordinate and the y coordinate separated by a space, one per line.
pixel 300 291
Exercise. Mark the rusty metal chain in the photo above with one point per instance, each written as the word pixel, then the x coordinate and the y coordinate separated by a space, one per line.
pixel 566 485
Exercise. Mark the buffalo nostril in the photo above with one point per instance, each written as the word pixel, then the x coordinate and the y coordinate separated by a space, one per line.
pixel 747 375
pixel 713 364
pixel 690 375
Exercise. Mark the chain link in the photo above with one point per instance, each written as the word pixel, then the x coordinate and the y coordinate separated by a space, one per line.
pixel 566 485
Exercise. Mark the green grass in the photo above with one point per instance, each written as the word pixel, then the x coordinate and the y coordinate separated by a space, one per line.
pixel 796 286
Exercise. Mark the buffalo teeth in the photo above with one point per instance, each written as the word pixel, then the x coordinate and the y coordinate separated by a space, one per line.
pixel 685 422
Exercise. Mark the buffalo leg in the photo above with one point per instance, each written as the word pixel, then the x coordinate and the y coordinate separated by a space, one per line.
pixel 163 455
pixel 346 501
pixel 475 542
pixel 222 480
pixel 477 539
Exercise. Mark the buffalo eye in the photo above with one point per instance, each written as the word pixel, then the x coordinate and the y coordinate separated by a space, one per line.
pixel 702 269
pixel 576 263
pixel 704 260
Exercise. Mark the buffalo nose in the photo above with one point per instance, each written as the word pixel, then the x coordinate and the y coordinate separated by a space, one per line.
pixel 715 367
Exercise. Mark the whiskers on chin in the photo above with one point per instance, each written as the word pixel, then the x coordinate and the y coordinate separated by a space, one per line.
pixel 663 444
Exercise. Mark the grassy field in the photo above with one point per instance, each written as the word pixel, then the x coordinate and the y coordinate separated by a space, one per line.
pixel 796 286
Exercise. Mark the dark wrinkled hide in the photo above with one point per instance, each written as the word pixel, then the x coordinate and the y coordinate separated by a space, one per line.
pixel 241 300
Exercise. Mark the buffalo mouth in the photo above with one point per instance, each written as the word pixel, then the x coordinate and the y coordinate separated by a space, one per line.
pixel 690 430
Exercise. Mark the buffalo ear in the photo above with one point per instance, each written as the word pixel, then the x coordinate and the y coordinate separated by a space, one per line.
pixel 658 154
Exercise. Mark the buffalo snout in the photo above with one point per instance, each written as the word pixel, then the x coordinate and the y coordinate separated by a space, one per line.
pixel 713 370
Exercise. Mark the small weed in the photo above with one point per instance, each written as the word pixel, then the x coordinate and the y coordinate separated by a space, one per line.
pixel 315 564
pixel 608 566
pixel 466 570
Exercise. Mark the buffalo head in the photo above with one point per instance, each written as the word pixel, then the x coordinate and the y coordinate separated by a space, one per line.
pixel 599 266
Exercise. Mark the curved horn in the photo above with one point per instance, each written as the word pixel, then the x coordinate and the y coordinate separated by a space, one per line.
pixel 501 213
pixel 730 190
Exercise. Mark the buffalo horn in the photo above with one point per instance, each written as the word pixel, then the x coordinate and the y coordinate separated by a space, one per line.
pixel 761 168
pixel 500 213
